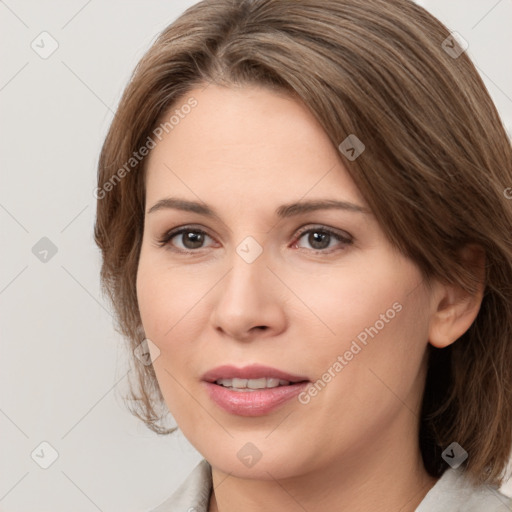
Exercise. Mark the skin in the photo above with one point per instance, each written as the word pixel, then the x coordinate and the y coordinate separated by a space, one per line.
pixel 244 152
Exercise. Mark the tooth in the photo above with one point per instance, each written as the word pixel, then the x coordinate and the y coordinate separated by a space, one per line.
pixel 252 384
pixel 257 383
pixel 239 383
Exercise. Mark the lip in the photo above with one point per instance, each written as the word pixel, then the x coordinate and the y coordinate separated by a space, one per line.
pixel 252 403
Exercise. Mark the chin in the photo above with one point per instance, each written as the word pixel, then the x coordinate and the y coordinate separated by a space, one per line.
pixel 260 460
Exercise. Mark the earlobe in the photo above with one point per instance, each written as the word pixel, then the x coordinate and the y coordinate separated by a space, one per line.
pixel 455 309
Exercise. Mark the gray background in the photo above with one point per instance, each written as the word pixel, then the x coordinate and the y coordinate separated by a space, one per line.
pixel 63 366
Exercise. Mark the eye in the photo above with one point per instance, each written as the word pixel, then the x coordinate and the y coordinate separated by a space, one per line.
pixel 320 238
pixel 191 239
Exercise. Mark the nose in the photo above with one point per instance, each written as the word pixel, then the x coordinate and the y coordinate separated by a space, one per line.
pixel 249 301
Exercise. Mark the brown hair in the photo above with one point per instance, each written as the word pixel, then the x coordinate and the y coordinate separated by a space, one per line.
pixel 436 163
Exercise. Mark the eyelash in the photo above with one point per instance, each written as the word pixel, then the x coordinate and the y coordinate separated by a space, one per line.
pixel 165 240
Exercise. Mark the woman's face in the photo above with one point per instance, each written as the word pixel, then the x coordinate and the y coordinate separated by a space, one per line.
pixel 319 294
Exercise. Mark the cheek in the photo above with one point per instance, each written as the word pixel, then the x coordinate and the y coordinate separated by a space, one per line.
pixel 341 303
pixel 166 298
pixel 370 371
pixel 171 304
pixel 373 318
pixel 386 352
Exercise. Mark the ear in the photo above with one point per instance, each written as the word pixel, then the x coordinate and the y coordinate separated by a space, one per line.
pixel 454 308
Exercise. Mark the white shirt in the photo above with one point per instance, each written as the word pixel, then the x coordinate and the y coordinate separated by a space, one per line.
pixel 451 493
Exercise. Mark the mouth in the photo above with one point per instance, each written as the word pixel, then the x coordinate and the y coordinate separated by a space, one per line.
pixel 253 377
pixel 253 384
pixel 253 390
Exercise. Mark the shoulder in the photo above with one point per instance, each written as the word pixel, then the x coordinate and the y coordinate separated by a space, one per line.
pixel 453 492
pixel 193 494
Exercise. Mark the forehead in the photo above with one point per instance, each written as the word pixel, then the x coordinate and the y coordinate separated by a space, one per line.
pixel 250 141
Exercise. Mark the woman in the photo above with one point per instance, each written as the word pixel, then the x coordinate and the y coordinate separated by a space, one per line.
pixel 307 241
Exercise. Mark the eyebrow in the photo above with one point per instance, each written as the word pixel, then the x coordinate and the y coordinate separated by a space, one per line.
pixel 283 211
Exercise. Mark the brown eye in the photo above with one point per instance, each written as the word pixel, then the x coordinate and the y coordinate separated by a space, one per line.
pixel 321 239
pixel 190 239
